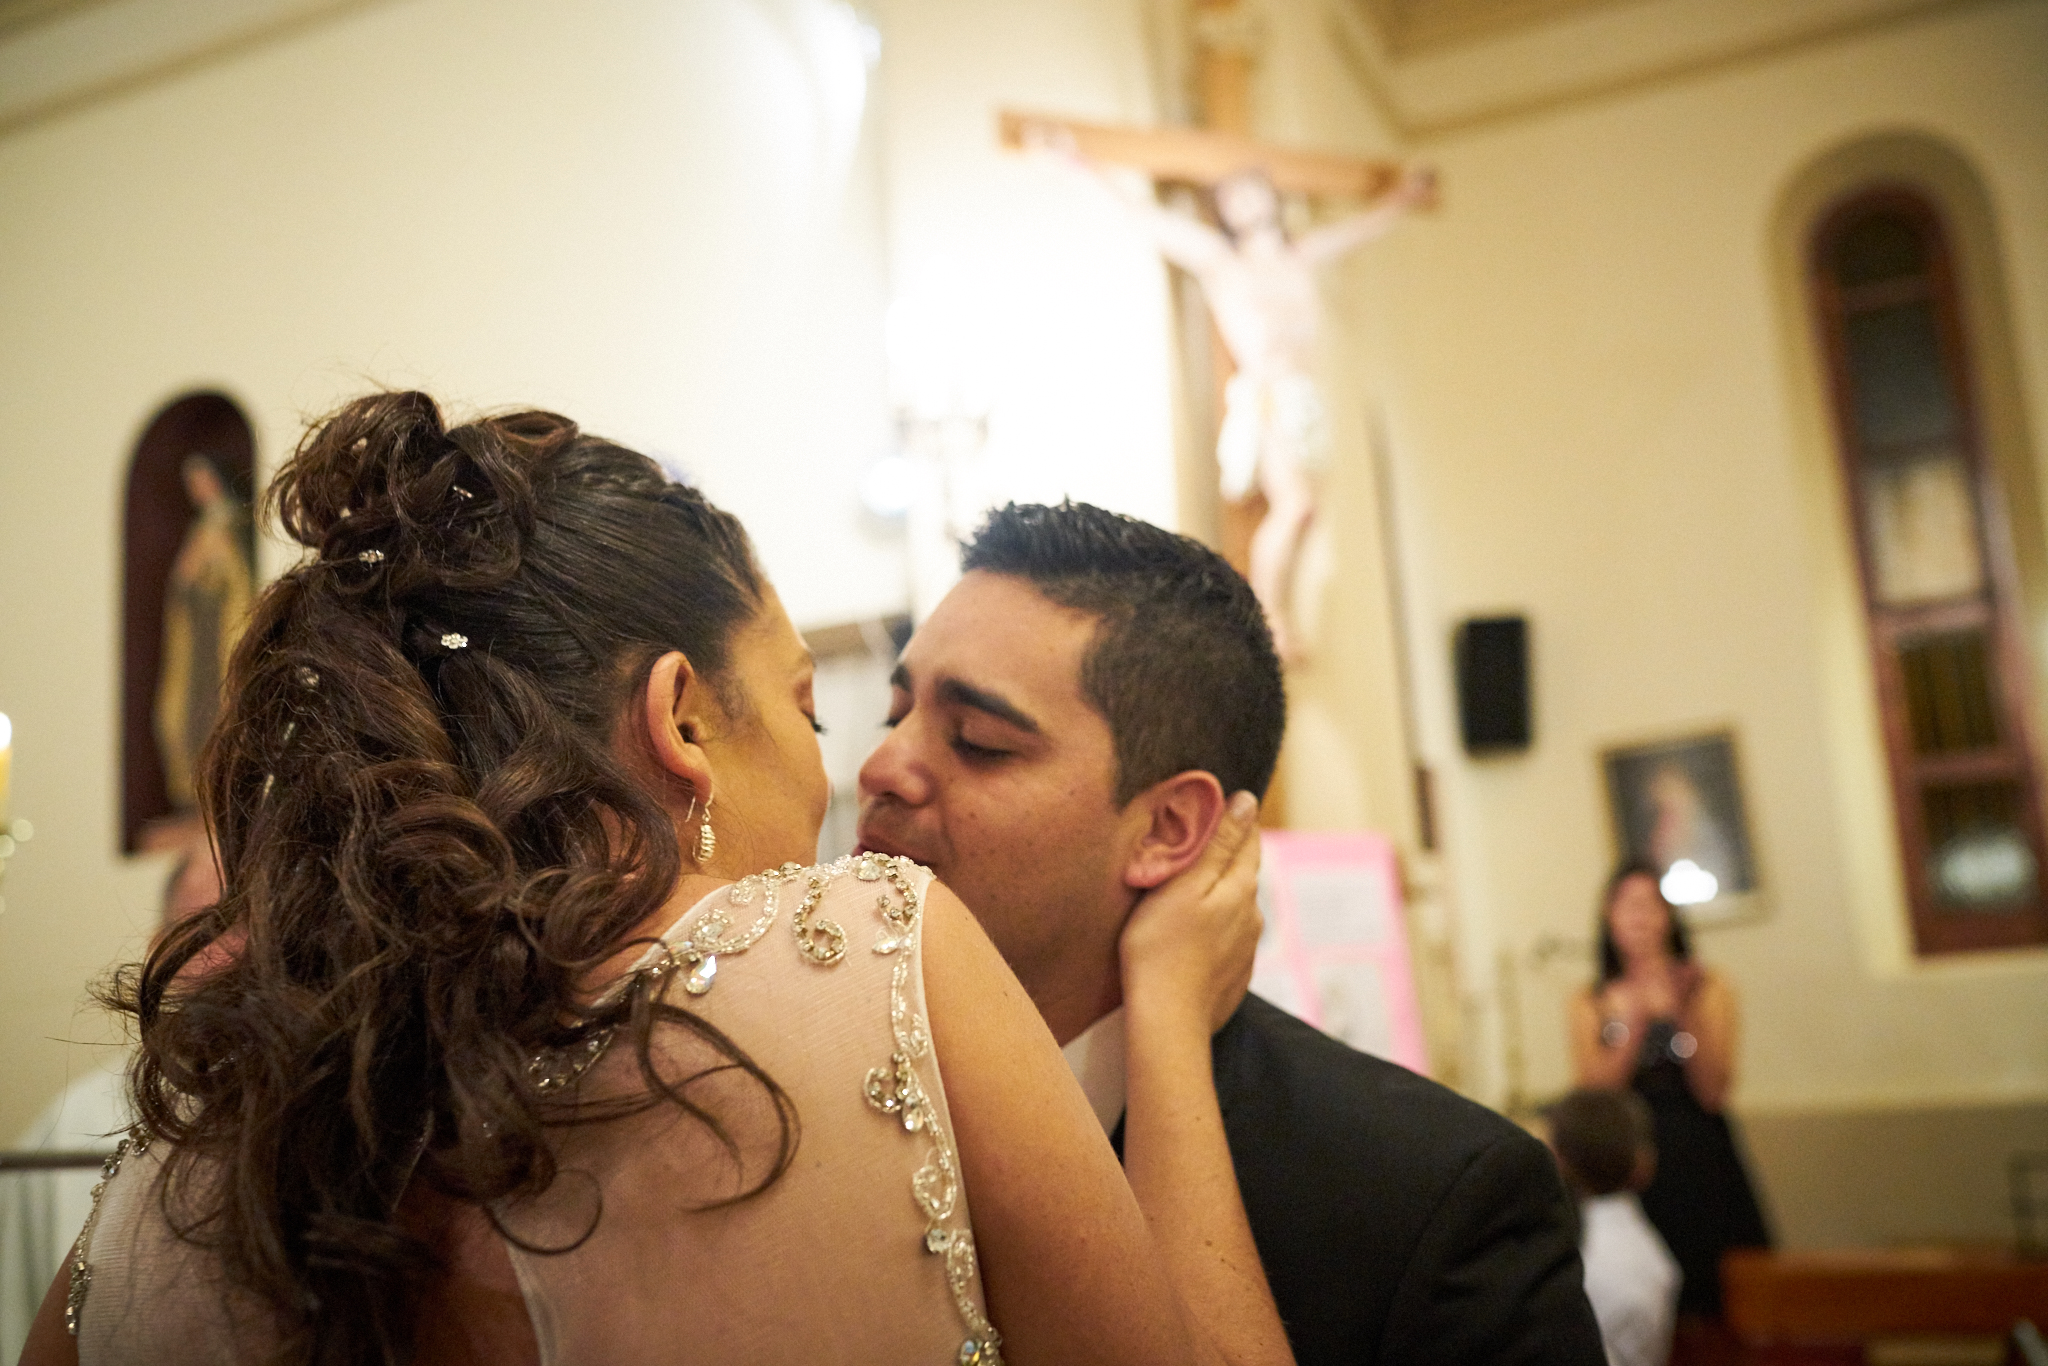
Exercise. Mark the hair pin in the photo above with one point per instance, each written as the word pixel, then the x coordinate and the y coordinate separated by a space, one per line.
pixel 463 493
pixel 454 640
pixel 371 556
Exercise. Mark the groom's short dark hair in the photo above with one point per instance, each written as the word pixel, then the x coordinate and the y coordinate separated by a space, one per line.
pixel 1182 665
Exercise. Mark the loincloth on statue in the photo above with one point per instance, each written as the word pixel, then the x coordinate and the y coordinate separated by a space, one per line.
pixel 1258 410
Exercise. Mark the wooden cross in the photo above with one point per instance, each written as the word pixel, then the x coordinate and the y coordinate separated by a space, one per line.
pixel 1225 42
pixel 1199 156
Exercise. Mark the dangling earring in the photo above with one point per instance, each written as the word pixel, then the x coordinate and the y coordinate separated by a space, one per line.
pixel 707 839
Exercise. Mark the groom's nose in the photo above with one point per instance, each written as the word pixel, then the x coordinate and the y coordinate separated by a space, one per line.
pixel 896 770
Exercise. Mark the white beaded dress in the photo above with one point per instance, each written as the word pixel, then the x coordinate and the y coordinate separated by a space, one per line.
pixel 861 1252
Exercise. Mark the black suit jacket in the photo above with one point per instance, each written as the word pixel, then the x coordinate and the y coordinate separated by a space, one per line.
pixel 1398 1222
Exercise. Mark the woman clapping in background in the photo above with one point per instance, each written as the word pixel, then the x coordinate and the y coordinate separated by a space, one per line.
pixel 1662 1024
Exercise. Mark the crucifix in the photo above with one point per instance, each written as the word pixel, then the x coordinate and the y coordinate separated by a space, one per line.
pixel 1260 285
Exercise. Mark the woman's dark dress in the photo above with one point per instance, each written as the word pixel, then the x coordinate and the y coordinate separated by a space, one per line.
pixel 1701 1201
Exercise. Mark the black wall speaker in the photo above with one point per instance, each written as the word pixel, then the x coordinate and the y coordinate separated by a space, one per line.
pixel 1492 659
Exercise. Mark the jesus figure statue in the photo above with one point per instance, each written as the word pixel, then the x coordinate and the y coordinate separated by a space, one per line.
pixel 1262 291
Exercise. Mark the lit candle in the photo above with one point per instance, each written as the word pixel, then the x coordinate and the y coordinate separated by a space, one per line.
pixel 6 750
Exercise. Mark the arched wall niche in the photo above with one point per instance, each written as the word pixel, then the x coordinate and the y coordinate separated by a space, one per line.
pixel 1935 171
pixel 157 514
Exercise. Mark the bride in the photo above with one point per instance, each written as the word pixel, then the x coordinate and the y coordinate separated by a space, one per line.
pixel 521 1032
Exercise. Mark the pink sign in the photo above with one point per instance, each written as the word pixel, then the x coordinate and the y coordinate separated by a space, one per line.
pixel 1335 950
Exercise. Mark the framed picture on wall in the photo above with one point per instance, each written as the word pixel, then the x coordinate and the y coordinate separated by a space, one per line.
pixel 1676 804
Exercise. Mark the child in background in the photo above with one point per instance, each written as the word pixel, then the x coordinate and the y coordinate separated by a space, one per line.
pixel 1604 1146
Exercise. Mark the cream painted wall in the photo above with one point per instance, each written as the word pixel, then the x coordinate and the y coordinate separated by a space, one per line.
pixel 1594 418
pixel 652 217
pixel 663 219
pixel 1027 292
pixel 1579 366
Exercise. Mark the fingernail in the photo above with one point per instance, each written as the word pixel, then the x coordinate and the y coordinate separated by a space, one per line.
pixel 1244 806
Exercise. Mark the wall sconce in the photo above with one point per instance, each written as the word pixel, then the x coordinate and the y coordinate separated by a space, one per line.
pixel 937 475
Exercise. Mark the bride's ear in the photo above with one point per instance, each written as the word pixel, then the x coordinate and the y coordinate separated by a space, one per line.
pixel 674 709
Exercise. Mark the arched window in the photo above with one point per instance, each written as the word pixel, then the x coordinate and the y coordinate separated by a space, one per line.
pixel 1940 588
pixel 182 525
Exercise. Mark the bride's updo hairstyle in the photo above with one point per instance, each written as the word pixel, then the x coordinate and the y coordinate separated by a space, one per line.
pixel 428 845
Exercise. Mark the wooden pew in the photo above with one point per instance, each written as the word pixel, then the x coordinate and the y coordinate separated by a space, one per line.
pixel 1809 1308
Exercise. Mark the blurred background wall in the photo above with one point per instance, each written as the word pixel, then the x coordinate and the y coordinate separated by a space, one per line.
pixel 745 234
pixel 671 221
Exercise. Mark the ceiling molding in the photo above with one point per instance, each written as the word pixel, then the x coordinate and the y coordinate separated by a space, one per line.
pixel 60 56
pixel 1411 26
pixel 16 15
pixel 1599 50
pixel 1432 68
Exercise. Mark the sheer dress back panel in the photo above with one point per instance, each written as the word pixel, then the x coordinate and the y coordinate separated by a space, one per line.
pixel 859 1253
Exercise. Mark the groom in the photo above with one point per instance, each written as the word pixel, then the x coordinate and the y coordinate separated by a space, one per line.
pixel 1095 686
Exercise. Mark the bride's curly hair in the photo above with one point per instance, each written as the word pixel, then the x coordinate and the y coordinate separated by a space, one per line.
pixel 427 845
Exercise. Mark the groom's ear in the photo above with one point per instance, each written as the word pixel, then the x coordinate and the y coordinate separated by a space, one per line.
pixel 1170 823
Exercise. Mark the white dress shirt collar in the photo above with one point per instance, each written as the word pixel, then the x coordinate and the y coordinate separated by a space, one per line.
pixel 1096 1058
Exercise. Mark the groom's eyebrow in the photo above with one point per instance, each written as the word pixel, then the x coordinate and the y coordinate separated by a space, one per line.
pixel 967 695
pixel 964 694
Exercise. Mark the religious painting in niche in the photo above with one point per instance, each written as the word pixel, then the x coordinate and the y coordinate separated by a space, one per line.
pixel 205 602
pixel 188 580
pixel 1939 581
pixel 1677 806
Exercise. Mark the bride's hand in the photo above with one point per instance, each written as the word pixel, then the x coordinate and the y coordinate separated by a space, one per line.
pixel 1189 944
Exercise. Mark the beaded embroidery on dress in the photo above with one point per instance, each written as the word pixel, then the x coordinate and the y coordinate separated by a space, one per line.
pixel 896 1090
pixel 80 1262
pixel 861 1251
pixel 716 952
